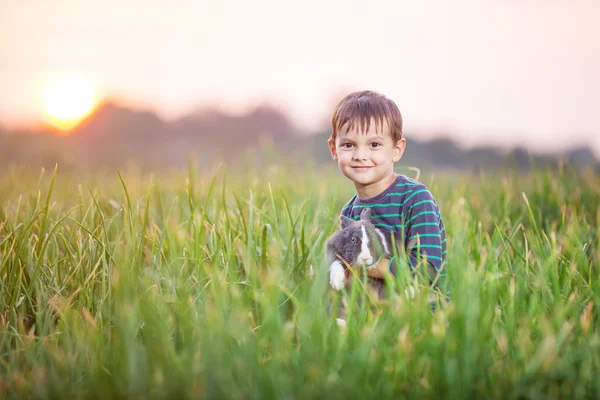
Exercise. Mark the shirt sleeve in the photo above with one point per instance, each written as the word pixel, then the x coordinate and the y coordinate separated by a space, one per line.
pixel 346 210
pixel 422 236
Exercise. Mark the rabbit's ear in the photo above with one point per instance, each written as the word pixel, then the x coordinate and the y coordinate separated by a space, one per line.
pixel 365 215
pixel 345 221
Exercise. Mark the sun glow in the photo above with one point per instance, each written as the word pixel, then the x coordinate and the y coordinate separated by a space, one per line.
pixel 68 100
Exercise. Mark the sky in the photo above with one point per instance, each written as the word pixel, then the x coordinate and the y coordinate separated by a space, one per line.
pixel 503 72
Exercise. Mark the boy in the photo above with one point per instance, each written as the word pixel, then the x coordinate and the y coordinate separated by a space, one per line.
pixel 365 142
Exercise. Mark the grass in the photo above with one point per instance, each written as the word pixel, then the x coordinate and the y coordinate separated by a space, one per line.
pixel 188 285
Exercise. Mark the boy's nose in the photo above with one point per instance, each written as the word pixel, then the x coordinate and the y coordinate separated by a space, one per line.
pixel 360 154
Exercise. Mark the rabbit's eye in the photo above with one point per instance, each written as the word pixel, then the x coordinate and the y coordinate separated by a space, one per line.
pixel 353 239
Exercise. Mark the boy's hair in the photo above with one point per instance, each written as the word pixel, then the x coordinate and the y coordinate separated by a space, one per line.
pixel 360 107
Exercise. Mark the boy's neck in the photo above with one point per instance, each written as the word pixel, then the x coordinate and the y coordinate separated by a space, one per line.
pixel 369 191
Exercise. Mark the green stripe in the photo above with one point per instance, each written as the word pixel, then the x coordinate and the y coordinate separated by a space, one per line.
pixel 387 216
pixel 419 203
pixel 356 217
pixel 407 184
pixel 425 224
pixel 443 229
pixel 422 213
pixel 389 226
pixel 424 235
pixel 415 193
pixel 427 246
pixel 444 252
pixel 444 241
pixel 379 205
pixel 399 194
pixel 421 256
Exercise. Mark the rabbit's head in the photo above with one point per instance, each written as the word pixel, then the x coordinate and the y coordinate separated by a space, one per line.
pixel 359 243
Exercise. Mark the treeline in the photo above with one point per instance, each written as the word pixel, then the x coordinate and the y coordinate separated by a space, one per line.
pixel 115 135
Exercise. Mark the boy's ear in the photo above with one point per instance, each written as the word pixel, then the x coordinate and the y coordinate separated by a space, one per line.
pixel 399 149
pixel 332 149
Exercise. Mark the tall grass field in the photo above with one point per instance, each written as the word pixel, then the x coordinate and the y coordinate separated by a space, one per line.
pixel 213 284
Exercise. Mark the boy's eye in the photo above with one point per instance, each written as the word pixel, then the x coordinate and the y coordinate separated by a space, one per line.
pixel 375 144
pixel 346 145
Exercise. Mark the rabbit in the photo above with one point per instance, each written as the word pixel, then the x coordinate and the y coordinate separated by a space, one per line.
pixel 360 244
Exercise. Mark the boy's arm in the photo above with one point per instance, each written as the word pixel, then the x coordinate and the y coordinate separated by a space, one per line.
pixel 422 233
pixel 424 237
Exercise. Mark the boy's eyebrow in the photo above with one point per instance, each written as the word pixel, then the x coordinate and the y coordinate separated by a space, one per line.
pixel 372 135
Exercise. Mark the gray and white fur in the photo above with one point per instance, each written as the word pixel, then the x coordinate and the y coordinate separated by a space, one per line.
pixel 360 244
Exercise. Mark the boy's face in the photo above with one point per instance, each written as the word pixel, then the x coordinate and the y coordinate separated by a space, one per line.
pixel 367 158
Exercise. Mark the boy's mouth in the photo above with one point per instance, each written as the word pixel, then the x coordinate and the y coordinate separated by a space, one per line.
pixel 361 167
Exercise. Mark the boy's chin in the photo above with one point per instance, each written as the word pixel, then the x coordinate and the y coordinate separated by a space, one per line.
pixel 361 180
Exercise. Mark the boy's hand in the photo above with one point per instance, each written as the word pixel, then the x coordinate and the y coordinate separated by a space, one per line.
pixel 377 271
pixel 380 270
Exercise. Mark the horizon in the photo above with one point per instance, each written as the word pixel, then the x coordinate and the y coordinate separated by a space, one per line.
pixel 459 70
pixel 81 129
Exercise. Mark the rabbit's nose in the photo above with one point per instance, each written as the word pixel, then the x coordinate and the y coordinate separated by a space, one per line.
pixel 366 260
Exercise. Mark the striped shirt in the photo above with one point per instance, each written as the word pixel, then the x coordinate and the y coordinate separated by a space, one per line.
pixel 408 209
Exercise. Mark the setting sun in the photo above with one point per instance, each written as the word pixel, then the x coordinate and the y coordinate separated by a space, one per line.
pixel 68 100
